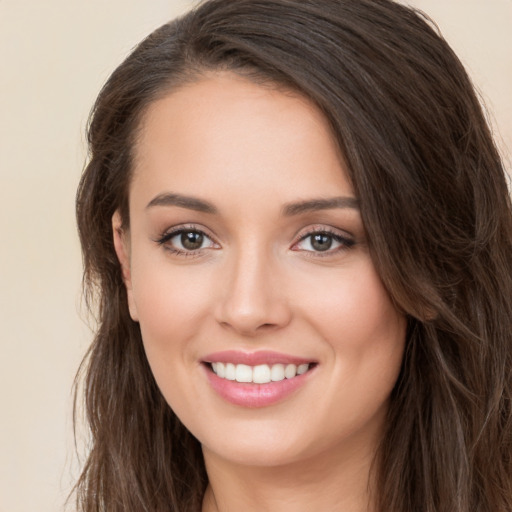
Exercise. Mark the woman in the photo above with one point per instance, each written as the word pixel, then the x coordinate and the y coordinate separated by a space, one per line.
pixel 298 229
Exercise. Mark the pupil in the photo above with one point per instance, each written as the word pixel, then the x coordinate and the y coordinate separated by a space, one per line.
pixel 321 242
pixel 191 240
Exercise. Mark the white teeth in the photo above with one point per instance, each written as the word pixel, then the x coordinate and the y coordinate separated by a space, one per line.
pixel 221 370
pixel 243 373
pixel 303 368
pixel 290 371
pixel 260 374
pixel 230 371
pixel 277 372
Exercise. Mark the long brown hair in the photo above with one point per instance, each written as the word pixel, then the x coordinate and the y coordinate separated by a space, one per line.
pixel 436 208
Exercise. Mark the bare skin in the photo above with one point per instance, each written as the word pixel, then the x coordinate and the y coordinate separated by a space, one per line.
pixel 246 238
pixel 324 484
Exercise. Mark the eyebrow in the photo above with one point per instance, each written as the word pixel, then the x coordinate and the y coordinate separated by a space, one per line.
pixel 312 205
pixel 289 210
pixel 191 203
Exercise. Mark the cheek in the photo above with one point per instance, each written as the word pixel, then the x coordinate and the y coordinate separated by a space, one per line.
pixel 372 337
pixel 172 305
pixel 364 336
pixel 352 308
pixel 169 298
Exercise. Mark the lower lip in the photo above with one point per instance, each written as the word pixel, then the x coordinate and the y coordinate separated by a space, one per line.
pixel 255 395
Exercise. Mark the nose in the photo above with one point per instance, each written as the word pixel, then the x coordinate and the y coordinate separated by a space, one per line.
pixel 253 298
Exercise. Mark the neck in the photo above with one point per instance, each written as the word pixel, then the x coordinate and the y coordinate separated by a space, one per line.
pixel 319 483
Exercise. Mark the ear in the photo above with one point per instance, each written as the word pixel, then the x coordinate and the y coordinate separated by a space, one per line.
pixel 122 247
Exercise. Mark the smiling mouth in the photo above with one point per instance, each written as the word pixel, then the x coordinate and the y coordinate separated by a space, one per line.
pixel 259 374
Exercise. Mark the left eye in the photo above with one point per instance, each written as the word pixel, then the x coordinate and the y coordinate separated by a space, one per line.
pixel 322 242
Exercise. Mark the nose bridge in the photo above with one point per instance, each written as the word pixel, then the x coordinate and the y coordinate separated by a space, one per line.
pixel 253 297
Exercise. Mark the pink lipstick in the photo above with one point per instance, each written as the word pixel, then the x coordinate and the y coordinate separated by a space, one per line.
pixel 256 379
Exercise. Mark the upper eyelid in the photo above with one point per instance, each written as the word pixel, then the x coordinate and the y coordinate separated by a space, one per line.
pixel 319 228
pixel 180 228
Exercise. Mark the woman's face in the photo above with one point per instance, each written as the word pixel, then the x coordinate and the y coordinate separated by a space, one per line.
pixel 246 255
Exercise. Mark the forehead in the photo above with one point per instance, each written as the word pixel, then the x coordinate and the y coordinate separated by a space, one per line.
pixel 224 129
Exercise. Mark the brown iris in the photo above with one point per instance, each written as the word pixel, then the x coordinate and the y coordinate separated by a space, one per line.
pixel 321 241
pixel 192 240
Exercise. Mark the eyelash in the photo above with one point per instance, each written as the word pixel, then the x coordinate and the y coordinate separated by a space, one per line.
pixel 169 235
pixel 345 242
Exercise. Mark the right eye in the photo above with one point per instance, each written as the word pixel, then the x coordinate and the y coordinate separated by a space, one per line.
pixel 186 241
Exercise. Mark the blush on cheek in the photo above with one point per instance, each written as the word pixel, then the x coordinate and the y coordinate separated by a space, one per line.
pixel 170 313
pixel 162 299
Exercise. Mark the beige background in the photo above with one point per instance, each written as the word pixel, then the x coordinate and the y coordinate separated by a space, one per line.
pixel 55 55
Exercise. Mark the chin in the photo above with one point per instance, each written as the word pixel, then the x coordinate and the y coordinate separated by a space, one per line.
pixel 256 453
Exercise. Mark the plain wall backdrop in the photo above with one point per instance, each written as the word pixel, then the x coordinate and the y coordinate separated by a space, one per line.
pixel 55 55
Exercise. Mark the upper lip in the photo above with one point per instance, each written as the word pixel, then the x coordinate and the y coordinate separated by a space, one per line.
pixel 254 358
